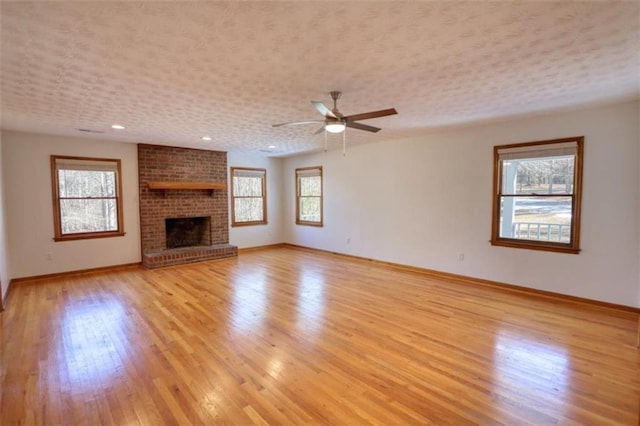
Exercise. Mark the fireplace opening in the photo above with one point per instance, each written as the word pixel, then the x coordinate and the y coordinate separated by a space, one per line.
pixel 188 231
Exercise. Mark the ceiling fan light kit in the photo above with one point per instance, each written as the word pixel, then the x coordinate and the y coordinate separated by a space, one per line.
pixel 335 127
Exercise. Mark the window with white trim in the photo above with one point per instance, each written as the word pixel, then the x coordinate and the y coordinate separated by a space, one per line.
pixel 248 196
pixel 309 196
pixel 537 195
pixel 87 199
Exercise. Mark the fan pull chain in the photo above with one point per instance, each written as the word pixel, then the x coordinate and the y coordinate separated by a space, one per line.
pixel 344 142
pixel 325 141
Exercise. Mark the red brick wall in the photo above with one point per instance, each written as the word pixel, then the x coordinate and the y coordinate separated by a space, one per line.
pixel 165 163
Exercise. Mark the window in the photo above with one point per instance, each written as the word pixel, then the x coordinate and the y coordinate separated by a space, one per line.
pixel 536 197
pixel 309 196
pixel 87 199
pixel 248 196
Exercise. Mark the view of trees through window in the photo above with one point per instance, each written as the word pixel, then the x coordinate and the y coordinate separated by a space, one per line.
pixel 87 201
pixel 310 191
pixel 538 193
pixel 539 216
pixel 248 196
pixel 86 193
pixel 309 196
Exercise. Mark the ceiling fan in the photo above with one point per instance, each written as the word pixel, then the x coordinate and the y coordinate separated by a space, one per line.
pixel 335 122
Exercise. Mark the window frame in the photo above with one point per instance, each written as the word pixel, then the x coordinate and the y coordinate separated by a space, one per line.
pixel 573 247
pixel 321 197
pixel 57 215
pixel 234 222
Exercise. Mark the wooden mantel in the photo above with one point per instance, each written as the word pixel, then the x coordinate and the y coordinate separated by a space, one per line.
pixel 164 186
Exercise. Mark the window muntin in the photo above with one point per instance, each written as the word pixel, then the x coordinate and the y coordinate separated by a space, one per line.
pixel 248 196
pixel 537 194
pixel 86 198
pixel 309 196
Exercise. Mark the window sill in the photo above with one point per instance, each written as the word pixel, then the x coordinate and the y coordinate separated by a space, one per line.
pixel 88 236
pixel 535 245
pixel 300 222
pixel 262 222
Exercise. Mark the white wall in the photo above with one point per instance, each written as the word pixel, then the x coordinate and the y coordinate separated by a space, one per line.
pixel 422 201
pixel 29 204
pixel 272 232
pixel 4 251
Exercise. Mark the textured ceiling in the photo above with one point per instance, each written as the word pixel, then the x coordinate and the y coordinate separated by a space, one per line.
pixel 172 72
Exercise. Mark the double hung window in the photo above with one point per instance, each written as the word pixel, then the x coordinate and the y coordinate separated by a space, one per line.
pixel 87 200
pixel 537 195
pixel 309 196
pixel 248 196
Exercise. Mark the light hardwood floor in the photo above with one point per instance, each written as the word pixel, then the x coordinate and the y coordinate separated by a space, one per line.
pixel 284 336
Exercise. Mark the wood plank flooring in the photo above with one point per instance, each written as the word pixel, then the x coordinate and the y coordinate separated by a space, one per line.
pixel 284 336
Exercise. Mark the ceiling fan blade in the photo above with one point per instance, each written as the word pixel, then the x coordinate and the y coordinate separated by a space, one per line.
pixel 361 126
pixel 295 123
pixel 323 109
pixel 372 114
pixel 320 130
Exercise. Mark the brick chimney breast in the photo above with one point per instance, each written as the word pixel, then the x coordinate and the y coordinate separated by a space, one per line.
pixel 171 164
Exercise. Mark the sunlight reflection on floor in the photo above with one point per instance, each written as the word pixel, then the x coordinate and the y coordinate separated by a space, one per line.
pixel 249 301
pixel 310 302
pixel 87 345
pixel 540 367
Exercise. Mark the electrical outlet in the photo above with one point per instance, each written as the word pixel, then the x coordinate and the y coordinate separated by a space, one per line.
pixel 348 240
pixel 49 256
pixel 460 256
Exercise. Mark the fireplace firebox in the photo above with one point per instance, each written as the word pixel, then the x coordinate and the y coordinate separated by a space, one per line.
pixel 188 231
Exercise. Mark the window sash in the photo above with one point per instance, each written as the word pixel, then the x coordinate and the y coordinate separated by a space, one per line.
pixel 255 187
pixel 503 166
pixel 73 224
pixel 305 188
pixel 88 183
pixel 536 225
pixel 302 201
pixel 250 216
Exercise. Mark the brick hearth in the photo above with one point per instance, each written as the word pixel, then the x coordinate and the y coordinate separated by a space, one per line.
pixel 171 164
pixel 182 255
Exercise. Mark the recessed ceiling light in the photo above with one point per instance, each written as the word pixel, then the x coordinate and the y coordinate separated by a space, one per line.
pixel 117 126
pixel 272 147
pixel 206 138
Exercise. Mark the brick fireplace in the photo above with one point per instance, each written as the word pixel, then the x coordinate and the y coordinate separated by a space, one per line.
pixel 183 224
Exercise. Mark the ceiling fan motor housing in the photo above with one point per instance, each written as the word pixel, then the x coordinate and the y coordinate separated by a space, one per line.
pixel 335 95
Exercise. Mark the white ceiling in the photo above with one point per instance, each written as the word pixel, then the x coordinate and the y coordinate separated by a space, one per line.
pixel 172 72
